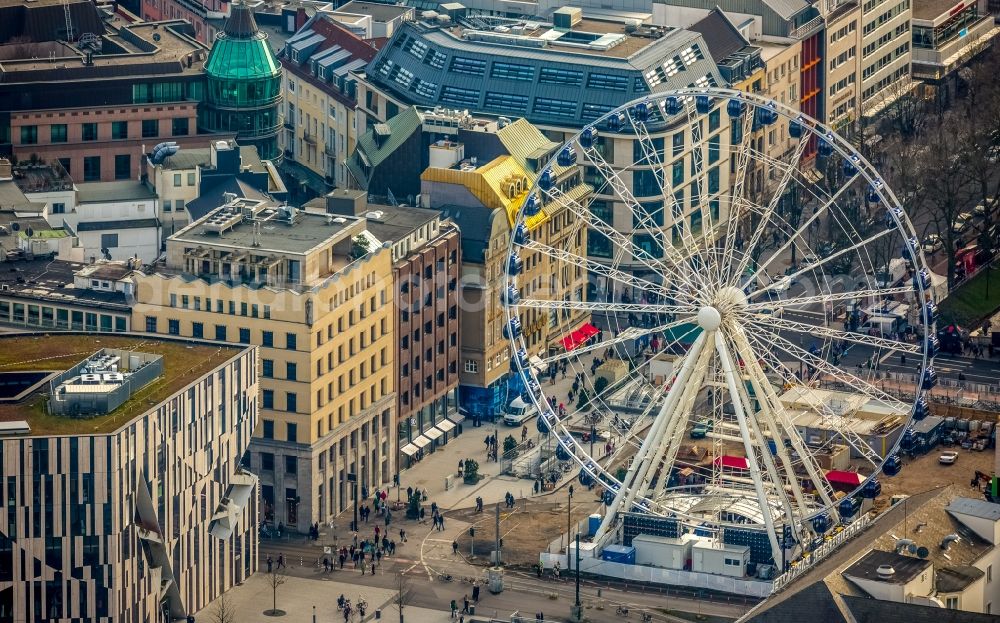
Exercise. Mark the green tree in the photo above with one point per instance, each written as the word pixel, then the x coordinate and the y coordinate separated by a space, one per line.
pixel 471 476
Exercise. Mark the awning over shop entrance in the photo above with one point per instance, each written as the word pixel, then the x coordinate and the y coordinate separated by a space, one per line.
pixel 421 441
pixel 457 418
pixel 409 449
pixel 445 425
pixel 578 337
pixel 432 433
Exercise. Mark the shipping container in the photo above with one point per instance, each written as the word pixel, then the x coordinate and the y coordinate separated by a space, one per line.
pixel 624 554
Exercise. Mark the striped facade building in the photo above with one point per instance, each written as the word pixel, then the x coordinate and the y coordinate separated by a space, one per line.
pixel 143 513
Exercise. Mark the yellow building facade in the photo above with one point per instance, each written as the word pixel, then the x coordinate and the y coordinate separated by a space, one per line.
pixel 315 294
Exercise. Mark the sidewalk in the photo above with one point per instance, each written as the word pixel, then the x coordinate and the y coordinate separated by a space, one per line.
pixel 297 597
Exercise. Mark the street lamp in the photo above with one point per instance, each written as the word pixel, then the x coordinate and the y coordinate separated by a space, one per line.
pixel 569 513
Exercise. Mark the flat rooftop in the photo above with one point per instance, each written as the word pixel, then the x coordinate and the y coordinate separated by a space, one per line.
pixel 929 10
pixel 380 12
pixel 596 37
pixel 905 568
pixel 183 363
pixel 135 50
pixel 309 230
pixel 104 192
pixel 42 178
pixel 46 280
pixel 388 223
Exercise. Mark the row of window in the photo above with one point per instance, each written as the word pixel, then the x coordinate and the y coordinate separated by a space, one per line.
pixel 46 316
pixel 871 26
pixel 59 132
pixel 185 301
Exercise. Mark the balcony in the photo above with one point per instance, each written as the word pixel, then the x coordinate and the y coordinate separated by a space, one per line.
pixel 331 151
pixel 309 138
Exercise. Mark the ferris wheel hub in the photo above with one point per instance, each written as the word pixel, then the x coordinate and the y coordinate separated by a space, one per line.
pixel 709 318
pixel 730 298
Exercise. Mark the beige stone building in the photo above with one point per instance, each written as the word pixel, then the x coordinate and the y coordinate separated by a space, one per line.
pixel 483 199
pixel 842 64
pixel 314 291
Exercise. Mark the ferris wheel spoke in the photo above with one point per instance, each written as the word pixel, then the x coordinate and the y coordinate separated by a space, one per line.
pixel 772 204
pixel 848 295
pixel 645 258
pixel 770 322
pixel 829 258
pixel 743 161
pixel 858 384
pixel 625 194
pixel 802 229
pixel 779 422
pixel 829 417
pixel 631 333
pixel 527 303
pixel 596 268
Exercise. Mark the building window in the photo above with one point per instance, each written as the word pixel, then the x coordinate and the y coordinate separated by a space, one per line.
pixel 92 168
pixel 197 330
pixel 66 163
pixel 268 339
pixel 293 429
pixel 109 241
pixel 119 129
pixel 471 366
pixel 291 465
pixel 179 126
pixel 58 133
pixel 291 371
pixel 123 166
pixel 267 312
pixel 267 395
pixel 266 462
pixel 290 341
pixel 244 336
pixel 190 179
pixel 89 131
pixel 178 180
pixel 174 327
pixel 268 368
pixel 220 332
pixel 58 208
pixel 150 324
pixel 150 128
pixel 951 603
pixel 268 429
pixel 29 134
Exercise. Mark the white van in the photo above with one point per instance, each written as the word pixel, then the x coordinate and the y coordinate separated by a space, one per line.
pixel 518 412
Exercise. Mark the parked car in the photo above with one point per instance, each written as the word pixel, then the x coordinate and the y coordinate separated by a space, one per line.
pixel 962 222
pixel 948 457
pixel 979 210
pixel 932 243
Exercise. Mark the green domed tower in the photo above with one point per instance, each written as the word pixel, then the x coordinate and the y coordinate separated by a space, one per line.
pixel 243 80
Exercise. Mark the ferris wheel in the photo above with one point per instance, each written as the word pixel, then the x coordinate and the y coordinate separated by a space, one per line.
pixel 744 324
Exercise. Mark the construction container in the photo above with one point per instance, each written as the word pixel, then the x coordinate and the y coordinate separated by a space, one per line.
pixel 663 551
pixel 593 523
pixel 624 554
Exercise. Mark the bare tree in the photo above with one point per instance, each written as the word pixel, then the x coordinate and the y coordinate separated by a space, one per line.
pixel 224 612
pixel 275 579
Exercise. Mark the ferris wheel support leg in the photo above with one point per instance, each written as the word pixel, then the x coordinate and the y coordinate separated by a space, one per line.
pixel 672 436
pixel 741 418
pixel 649 444
pixel 786 425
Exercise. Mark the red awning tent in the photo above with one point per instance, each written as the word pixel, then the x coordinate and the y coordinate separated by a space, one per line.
pixel 732 462
pixel 578 337
pixel 838 477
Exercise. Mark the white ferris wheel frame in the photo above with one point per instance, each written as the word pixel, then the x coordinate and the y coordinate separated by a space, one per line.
pixel 725 339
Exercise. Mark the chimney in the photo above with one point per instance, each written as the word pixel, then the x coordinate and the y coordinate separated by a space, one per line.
pixel 6 170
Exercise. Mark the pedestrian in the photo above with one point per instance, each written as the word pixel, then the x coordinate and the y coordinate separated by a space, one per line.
pixel 524 434
pixel 392 548
pixel 402 535
pixel 454 609
pixel 281 561
pixel 373 568
pixel 454 548
pixel 465 604
pixel 421 514
pixel 409 492
pixel 326 564
pixel 378 556
pixel 269 563
pixel 475 591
